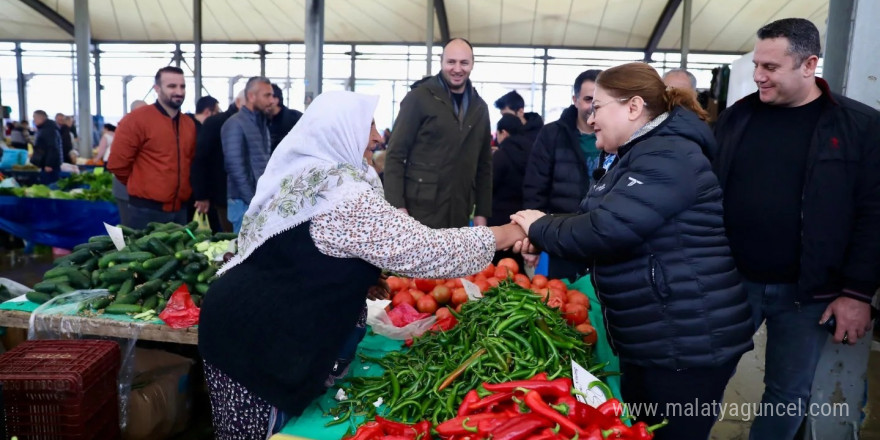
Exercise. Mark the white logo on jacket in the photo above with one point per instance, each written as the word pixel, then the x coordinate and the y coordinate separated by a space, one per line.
pixel 633 181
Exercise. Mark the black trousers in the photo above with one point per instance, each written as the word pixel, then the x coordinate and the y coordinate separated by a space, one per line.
pixel 689 398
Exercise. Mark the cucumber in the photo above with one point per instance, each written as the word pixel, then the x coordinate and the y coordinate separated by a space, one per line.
pixel 151 302
pixel 115 276
pixel 172 287
pixel 128 231
pixel 64 288
pixel 220 236
pixel 37 297
pixel 123 257
pixel 158 247
pixel 59 271
pixel 179 246
pixel 101 239
pixel 192 268
pixel 206 274
pixel 161 305
pixel 176 237
pixel 46 287
pixel 114 288
pixel 120 309
pixel 90 264
pixel 185 254
pixel 155 263
pixel 100 303
pixel 164 271
pixel 125 299
pixel 77 257
pixel 143 242
pixel 147 289
pixel 96 277
pixel 79 279
pixel 126 287
pixel 202 288
pixel 197 300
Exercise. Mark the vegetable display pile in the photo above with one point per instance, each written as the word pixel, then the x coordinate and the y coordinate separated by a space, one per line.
pixel 509 334
pixel 142 276
pixel 84 186
pixel 535 409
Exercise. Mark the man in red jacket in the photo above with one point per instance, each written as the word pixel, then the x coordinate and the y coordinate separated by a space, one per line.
pixel 152 152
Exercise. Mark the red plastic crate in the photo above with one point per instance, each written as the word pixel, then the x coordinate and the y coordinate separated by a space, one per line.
pixel 60 389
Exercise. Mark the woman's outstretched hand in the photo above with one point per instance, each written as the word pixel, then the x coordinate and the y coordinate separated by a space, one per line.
pixel 530 253
pixel 380 290
pixel 525 218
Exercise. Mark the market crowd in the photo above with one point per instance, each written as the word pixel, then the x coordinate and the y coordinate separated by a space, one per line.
pixel 692 236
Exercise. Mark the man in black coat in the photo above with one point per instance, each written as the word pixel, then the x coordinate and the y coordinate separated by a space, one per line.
pixel 562 161
pixel 208 172
pixel 47 148
pixel 66 138
pixel 281 118
pixel 512 103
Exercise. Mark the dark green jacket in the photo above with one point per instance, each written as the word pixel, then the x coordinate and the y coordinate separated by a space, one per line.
pixel 439 166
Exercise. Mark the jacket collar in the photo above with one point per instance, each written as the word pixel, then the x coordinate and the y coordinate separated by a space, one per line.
pixel 465 103
pixel 162 110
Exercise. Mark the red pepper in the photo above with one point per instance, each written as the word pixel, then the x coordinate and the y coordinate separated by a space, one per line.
pixel 469 400
pixel 423 430
pixel 487 427
pixel 395 437
pixel 618 431
pixel 493 399
pixel 611 407
pixel 546 434
pixel 455 426
pixel 546 388
pixel 368 431
pixel 540 407
pixel 641 430
pixel 396 428
pixel 540 376
pixel 522 427
pixel 583 414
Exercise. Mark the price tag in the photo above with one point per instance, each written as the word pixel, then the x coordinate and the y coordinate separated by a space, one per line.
pixel 582 380
pixel 115 234
pixel 473 291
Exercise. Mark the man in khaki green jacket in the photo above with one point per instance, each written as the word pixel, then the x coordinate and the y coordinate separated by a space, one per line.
pixel 439 162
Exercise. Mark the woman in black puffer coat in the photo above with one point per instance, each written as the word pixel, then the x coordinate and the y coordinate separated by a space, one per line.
pixel 675 309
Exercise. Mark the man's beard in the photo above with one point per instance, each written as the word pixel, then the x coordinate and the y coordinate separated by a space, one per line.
pixel 169 102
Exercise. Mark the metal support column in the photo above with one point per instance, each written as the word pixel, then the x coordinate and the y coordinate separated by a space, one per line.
pixel 125 104
pixel 840 383
pixel 351 77
pixel 545 58
pixel 262 53
pixel 83 38
pixel 314 39
pixel 197 51
pixel 21 85
pixel 686 32
pixel 177 57
pixel 98 86
pixel 429 37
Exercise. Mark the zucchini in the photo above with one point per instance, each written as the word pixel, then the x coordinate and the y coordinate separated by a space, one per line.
pixel 120 309
pixel 206 274
pixel 151 302
pixel 155 263
pixel 164 271
pixel 37 297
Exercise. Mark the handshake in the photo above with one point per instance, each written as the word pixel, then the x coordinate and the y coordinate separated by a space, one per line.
pixel 516 235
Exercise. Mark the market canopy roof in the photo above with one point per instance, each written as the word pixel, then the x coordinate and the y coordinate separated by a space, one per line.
pixel 646 25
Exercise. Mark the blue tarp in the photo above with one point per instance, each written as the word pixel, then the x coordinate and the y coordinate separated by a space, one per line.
pixel 57 223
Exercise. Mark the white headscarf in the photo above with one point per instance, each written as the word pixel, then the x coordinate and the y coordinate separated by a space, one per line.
pixel 318 165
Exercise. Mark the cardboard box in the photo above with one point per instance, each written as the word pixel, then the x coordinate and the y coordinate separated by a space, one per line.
pixel 160 402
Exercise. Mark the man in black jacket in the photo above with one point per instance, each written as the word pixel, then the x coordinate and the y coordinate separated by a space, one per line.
pixel 66 137
pixel 798 165
pixel 512 103
pixel 560 166
pixel 208 172
pixel 47 148
pixel 281 118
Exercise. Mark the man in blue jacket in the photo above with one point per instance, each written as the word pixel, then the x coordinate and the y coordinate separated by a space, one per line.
pixel 47 148
pixel 246 147
pixel 798 165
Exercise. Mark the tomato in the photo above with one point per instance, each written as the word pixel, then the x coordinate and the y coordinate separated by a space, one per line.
pixel 457 283
pixel 558 295
pixel 450 284
pixel 590 336
pixel 522 281
pixel 509 263
pixel 502 273
pixel 493 282
pixel 488 271
pixel 575 297
pixel 479 277
pixel 574 313
pixel 482 284
pixel 427 304
pixel 403 297
pixel 539 281
pixel 544 293
pixel 396 283
pixel 416 294
pixel 443 313
pixel 459 296
pixel 425 285
pixel 458 308
pixel 557 284
pixel 555 303
pixel 441 294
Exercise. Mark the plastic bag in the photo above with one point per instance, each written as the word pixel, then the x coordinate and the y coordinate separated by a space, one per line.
pixel 181 311
pixel 405 314
pixel 10 289
pixel 378 319
pixel 202 219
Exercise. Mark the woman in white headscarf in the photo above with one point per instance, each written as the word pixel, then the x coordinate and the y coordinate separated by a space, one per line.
pixel 314 240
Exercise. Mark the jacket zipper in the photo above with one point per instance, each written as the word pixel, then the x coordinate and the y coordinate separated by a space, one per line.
pixel 177 140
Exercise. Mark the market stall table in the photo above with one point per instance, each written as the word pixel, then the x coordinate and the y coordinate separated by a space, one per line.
pixel 56 222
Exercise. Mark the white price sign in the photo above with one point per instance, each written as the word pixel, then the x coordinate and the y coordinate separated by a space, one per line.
pixel 582 379
pixel 115 234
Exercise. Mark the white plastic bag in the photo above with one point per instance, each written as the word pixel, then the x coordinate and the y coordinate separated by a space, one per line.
pixel 378 319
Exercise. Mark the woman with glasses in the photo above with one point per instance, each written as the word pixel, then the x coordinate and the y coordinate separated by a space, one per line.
pixel 652 228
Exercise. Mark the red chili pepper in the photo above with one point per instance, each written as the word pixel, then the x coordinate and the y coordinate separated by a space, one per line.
pixel 467 403
pixel 546 434
pixel 566 405
pixel 395 437
pixel 540 376
pixel 368 431
pixel 522 427
pixel 618 431
pixel 641 430
pixel 423 430
pixel 454 426
pixel 540 407
pixel 546 388
pixel 396 428
pixel 611 407
pixel 490 400
pixel 487 427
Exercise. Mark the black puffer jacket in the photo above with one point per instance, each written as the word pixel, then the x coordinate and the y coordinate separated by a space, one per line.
pixel 556 178
pixel 532 127
pixel 663 269
pixel 508 167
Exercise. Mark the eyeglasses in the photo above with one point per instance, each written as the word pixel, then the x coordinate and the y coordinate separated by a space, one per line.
pixel 597 106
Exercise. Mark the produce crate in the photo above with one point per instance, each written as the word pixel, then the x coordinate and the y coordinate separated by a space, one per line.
pixel 61 390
